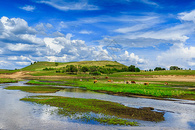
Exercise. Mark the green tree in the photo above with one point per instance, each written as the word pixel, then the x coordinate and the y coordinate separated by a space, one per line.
pixel 174 68
pixel 124 69
pixel 71 68
pixel 84 69
pixel 131 68
pixel 137 69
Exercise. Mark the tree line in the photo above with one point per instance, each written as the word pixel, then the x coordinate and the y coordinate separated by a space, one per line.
pixel 94 70
pixel 170 68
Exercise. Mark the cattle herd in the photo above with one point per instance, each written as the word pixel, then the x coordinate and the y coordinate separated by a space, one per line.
pixel 127 82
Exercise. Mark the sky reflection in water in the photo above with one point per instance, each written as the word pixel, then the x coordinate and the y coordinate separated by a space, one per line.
pixel 16 114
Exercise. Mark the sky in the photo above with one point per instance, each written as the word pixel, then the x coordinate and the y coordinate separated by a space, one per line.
pixel 144 33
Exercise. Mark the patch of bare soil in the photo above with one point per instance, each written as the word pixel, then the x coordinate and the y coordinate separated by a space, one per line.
pixel 181 78
pixel 17 75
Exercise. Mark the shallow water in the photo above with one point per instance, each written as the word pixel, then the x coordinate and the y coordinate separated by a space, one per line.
pixel 16 114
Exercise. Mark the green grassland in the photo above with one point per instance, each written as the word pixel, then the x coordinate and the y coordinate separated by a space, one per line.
pixel 6 80
pixel 2 71
pixel 154 90
pixel 41 65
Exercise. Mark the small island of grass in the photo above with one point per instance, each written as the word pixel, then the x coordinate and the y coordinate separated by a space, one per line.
pixel 35 89
pixel 72 106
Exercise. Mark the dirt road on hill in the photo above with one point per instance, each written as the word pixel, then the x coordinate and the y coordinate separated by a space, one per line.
pixel 17 75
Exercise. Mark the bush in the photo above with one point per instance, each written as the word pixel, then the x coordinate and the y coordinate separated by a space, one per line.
pixel 93 68
pixel 84 69
pixel 95 73
pixel 57 71
pixel 71 68
pixel 49 68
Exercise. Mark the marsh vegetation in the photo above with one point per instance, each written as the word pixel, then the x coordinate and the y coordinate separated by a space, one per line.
pixel 115 111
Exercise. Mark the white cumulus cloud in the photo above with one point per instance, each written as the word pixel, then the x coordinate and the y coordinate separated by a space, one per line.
pixel 187 16
pixel 132 59
pixel 179 55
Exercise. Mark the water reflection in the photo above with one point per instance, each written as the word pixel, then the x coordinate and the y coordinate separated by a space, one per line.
pixel 16 114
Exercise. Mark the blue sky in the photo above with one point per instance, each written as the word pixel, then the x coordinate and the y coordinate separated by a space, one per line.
pixel 145 33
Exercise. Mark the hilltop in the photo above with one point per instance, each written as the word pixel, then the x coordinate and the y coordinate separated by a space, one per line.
pixel 43 64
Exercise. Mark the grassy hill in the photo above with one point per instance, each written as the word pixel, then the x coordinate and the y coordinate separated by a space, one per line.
pixel 41 65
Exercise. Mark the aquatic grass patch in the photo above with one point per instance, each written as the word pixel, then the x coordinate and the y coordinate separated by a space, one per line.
pixel 7 80
pixel 35 89
pixel 106 120
pixel 71 106
pixel 36 82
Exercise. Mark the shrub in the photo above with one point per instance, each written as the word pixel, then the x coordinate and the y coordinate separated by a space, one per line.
pixel 84 69
pixel 71 68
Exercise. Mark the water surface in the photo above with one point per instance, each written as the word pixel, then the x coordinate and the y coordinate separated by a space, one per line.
pixel 16 114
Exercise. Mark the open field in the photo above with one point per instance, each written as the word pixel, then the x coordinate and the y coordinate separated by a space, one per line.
pixel 120 88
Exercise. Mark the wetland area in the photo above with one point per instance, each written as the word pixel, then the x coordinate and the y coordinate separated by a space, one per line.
pixel 36 97
pixel 17 114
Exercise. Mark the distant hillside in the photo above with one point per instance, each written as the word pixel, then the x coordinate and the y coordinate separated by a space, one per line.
pixel 41 65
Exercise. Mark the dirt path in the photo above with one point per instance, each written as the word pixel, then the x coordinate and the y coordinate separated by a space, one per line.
pixel 17 75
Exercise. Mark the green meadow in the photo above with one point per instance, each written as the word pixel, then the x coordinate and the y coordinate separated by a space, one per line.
pixel 154 90
pixel 7 80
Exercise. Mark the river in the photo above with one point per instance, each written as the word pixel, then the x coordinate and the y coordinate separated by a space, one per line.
pixel 19 115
